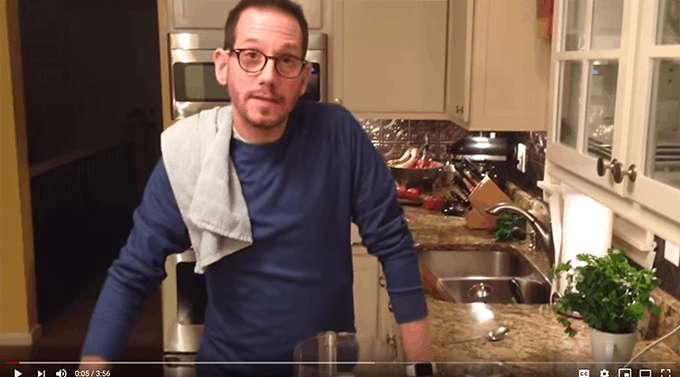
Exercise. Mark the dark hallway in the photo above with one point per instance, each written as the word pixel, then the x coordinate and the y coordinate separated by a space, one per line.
pixel 91 75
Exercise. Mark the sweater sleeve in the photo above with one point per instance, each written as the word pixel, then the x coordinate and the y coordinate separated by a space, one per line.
pixel 382 225
pixel 158 231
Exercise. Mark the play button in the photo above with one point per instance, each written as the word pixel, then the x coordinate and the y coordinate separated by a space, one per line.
pixel 41 373
pixel 17 373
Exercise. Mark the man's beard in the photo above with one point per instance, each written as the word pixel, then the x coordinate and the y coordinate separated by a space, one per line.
pixel 271 124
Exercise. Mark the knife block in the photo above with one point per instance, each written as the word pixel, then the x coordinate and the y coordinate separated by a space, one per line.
pixel 486 194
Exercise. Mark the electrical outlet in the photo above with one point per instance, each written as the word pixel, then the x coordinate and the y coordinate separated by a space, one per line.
pixel 672 253
pixel 522 157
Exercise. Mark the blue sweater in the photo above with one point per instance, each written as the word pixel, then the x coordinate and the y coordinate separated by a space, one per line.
pixel 295 280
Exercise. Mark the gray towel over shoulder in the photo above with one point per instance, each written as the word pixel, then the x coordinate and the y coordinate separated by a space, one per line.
pixel 203 179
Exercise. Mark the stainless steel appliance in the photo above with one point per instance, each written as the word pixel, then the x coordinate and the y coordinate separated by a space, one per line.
pixel 194 87
pixel 184 302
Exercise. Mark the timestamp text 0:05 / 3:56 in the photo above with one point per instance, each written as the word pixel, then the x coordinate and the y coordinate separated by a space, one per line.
pixel 92 373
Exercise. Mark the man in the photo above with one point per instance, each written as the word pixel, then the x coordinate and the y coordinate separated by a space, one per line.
pixel 305 170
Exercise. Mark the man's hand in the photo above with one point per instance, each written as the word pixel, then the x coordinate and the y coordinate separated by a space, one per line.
pixel 98 363
pixel 416 340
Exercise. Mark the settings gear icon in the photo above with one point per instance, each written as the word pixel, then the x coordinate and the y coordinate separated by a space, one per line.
pixel 604 373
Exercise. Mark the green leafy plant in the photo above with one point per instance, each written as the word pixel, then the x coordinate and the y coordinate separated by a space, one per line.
pixel 506 222
pixel 607 292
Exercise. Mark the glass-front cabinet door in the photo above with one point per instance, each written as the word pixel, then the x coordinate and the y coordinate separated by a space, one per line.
pixel 592 74
pixel 654 146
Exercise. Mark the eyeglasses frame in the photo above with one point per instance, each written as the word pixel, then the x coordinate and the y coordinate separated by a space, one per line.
pixel 238 51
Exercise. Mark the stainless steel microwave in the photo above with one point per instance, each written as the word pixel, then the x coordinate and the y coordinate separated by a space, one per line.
pixel 194 86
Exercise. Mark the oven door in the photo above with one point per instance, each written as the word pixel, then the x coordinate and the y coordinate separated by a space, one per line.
pixel 184 302
pixel 194 86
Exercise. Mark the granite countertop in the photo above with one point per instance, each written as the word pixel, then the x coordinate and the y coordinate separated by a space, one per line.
pixel 536 343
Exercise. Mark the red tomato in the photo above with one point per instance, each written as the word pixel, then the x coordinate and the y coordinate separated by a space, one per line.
pixel 433 202
pixel 412 194
pixel 401 191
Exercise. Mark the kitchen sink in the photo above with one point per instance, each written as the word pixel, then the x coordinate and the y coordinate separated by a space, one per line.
pixel 490 274
pixel 445 263
pixel 525 290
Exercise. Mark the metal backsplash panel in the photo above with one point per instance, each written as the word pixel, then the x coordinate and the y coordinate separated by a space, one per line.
pixel 392 137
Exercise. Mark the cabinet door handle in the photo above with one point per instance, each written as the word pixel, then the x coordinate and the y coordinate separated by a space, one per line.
pixel 602 168
pixel 390 307
pixel 381 281
pixel 618 173
pixel 459 109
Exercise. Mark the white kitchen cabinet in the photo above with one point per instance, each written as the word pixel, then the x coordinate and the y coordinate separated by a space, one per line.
pixel 372 308
pixel 389 57
pixel 498 70
pixel 212 14
pixel 365 292
pixel 373 311
pixel 615 101
pixel 388 328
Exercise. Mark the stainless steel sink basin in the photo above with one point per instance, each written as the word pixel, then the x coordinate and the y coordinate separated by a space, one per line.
pixel 445 264
pixel 496 290
pixel 492 274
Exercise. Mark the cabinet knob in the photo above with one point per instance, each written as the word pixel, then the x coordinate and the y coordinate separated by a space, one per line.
pixel 390 307
pixel 381 281
pixel 337 101
pixel 602 168
pixel 618 173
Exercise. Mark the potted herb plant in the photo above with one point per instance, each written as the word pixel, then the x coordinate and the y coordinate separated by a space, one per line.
pixel 610 295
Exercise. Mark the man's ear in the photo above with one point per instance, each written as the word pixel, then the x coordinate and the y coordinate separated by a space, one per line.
pixel 306 73
pixel 221 58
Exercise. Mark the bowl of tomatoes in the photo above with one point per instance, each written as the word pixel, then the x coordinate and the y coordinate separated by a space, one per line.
pixel 412 171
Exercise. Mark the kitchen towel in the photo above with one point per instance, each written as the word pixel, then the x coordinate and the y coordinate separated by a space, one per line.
pixel 586 229
pixel 208 192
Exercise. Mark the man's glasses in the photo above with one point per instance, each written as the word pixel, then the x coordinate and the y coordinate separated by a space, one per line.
pixel 253 61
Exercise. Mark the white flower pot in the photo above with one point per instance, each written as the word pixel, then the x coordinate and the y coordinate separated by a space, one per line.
pixel 610 347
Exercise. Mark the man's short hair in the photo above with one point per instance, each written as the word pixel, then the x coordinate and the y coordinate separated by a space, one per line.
pixel 286 6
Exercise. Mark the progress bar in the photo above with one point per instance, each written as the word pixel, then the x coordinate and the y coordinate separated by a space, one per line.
pixel 338 362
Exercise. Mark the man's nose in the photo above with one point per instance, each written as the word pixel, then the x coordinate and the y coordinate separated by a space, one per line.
pixel 268 73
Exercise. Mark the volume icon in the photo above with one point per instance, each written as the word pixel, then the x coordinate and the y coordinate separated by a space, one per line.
pixel 61 373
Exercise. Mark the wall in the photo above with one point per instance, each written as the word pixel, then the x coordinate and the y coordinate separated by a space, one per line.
pixel 87 64
pixel 18 317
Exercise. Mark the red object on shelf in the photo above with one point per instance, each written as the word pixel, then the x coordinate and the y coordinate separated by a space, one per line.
pixel 433 202
pixel 545 15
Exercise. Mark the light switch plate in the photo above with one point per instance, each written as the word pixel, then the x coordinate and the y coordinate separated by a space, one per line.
pixel 672 253
pixel 522 157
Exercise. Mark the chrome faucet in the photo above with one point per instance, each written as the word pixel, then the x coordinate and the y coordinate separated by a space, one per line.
pixel 543 233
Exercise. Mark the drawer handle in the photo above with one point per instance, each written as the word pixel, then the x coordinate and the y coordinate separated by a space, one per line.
pixel 618 173
pixel 602 168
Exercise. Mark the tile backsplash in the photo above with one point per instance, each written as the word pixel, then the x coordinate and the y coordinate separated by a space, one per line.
pixel 392 137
